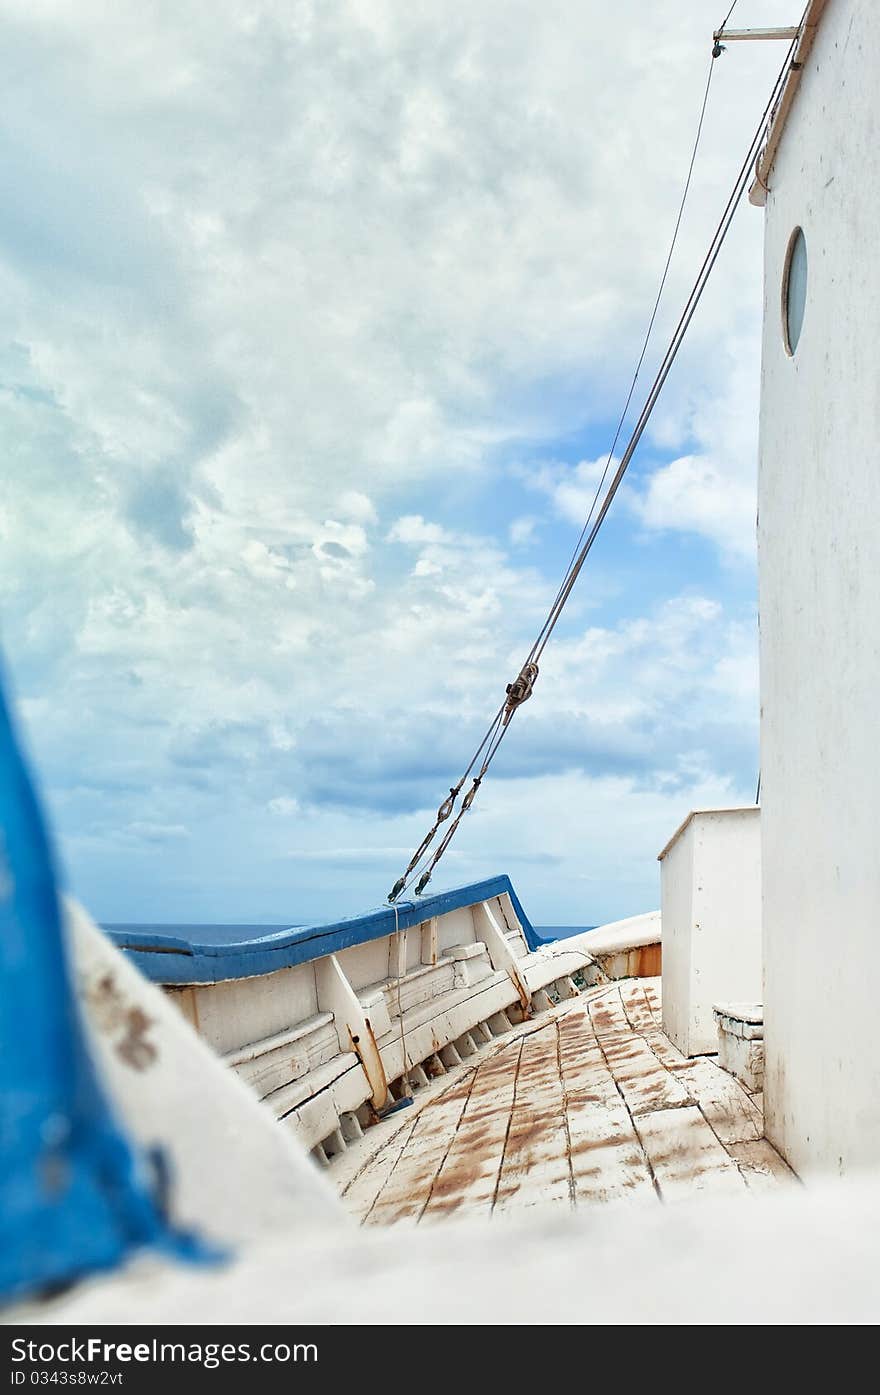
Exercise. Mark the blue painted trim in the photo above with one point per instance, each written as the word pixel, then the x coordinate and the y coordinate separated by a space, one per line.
pixel 169 959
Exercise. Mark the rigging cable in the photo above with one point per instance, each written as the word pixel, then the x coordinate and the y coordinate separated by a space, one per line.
pixel 723 24
pixel 521 689
pixel 647 338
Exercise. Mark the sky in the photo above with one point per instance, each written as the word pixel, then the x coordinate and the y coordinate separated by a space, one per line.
pixel 318 321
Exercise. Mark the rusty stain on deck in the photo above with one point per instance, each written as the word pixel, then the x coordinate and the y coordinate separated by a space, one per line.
pixel 588 1103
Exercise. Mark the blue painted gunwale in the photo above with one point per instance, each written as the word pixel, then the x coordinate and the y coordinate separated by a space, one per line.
pixel 169 959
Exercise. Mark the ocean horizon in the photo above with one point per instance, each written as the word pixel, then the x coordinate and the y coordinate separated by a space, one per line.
pixel 219 932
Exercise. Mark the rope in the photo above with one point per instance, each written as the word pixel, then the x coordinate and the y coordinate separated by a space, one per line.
pixel 719 47
pixel 521 689
pixel 447 806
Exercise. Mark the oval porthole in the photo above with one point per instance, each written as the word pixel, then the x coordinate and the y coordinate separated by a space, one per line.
pixel 794 290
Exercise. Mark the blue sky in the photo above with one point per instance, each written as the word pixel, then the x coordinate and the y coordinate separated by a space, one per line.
pixel 318 320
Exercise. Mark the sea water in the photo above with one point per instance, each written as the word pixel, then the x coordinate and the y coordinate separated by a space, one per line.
pixel 240 934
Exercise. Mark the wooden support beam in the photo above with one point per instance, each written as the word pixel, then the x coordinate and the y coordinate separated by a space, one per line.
pixel 738 35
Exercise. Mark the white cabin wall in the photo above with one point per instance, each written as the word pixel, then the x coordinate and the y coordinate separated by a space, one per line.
pixel 725 960
pixel 819 553
pixel 711 894
pixel 677 887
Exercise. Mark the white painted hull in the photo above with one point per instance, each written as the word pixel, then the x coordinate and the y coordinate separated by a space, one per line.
pixel 326 1044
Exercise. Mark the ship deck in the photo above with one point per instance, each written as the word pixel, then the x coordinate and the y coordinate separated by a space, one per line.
pixel 589 1103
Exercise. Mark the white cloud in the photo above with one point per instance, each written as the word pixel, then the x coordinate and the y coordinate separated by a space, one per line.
pixel 158 832
pixel 415 531
pixel 357 507
pixel 712 489
pixel 694 494
pixel 572 488
pixel 283 285
pixel 522 531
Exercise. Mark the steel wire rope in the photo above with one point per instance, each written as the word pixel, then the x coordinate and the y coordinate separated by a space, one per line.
pixel 645 342
pixel 501 721
pixel 716 51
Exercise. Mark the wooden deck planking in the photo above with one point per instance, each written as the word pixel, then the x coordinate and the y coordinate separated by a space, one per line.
pixel 607 1159
pixel 652 998
pixel 404 1194
pixel 645 1083
pixel 468 1176
pixel 666 1052
pixel 685 1155
pixel 761 1166
pixel 582 1060
pixel 538 1078
pixel 608 1017
pixel 364 1189
pixel 636 1007
pixel 588 1103
pixel 724 1103
pixel 535 1167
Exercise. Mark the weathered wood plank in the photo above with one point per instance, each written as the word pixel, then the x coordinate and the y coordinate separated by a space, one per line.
pixel 652 988
pixel 635 1005
pixel 646 1085
pixel 761 1165
pixel 362 1192
pixel 592 1085
pixel 685 1155
pixel 608 1016
pixel 723 1102
pixel 408 1186
pixel 439 1117
pixel 268 1069
pixel 607 1159
pixel 577 1036
pixel 667 1054
pixel 535 1168
pixel 468 1177
pixel 538 1075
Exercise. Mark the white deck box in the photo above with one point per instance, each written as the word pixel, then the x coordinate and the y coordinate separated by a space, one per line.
pixel 711 911
pixel 741 1042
